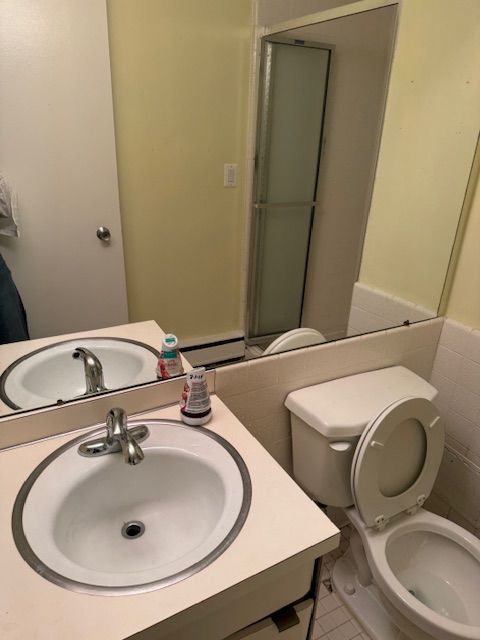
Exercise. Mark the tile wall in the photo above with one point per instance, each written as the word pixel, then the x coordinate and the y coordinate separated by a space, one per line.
pixel 255 391
pixel 372 309
pixel 456 374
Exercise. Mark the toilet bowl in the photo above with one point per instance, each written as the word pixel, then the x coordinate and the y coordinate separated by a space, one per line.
pixel 373 444
pixel 428 570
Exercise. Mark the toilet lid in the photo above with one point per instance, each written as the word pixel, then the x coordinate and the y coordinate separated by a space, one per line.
pixel 397 460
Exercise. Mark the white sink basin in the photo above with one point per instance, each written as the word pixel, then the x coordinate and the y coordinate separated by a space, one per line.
pixel 51 374
pixel 99 525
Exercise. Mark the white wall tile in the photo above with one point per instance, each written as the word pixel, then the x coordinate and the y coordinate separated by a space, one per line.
pixel 452 443
pixel 437 505
pixel 418 313
pixel 416 336
pixel 474 446
pixel 473 346
pixel 447 363
pixel 271 428
pixel 469 376
pixel 456 375
pixel 373 310
pixel 455 336
pixel 367 298
pixel 460 428
pixel 248 376
pixel 458 484
pixel 361 321
pixel 420 361
pixel 321 361
pixel 466 403
pixel 446 388
pixel 360 354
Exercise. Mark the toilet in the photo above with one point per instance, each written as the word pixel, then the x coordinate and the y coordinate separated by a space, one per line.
pixel 295 339
pixel 372 444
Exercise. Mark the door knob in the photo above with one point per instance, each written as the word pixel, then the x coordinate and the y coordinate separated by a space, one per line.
pixel 103 234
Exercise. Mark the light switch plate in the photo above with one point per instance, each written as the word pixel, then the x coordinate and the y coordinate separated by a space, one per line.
pixel 230 175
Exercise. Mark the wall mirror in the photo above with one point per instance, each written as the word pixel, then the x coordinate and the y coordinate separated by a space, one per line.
pixel 312 187
pixel 321 106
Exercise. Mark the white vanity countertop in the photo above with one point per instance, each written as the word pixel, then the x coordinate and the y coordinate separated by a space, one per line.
pixel 147 332
pixel 282 522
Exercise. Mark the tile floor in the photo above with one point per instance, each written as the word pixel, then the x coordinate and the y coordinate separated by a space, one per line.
pixel 334 621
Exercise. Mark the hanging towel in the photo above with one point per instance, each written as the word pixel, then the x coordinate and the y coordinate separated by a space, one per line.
pixel 8 210
pixel 13 319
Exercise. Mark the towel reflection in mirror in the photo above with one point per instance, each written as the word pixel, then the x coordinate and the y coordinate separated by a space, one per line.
pixel 13 318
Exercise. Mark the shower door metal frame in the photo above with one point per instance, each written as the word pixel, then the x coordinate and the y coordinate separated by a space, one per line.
pixel 261 156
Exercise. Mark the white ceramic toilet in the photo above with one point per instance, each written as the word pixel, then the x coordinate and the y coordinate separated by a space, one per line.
pixel 372 443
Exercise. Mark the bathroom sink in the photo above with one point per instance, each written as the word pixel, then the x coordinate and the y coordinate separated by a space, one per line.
pixel 51 374
pixel 102 526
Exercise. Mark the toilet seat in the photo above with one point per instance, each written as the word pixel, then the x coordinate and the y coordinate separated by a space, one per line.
pixel 295 339
pixel 397 460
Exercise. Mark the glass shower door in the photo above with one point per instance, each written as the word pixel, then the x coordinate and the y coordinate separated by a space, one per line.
pixel 291 111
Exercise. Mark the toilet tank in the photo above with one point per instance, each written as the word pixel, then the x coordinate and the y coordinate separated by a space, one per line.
pixel 327 420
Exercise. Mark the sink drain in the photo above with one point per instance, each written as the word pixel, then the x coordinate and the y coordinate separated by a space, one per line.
pixel 133 529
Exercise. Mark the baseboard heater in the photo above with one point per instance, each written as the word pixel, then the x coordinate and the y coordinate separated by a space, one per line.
pixel 213 352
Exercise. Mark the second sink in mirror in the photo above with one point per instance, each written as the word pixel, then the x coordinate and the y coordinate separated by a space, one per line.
pixel 51 374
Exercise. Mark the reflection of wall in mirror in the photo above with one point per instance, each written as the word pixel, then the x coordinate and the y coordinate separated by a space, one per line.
pixel 139 186
pixel 186 66
pixel 356 99
pixel 180 87
pixel 428 143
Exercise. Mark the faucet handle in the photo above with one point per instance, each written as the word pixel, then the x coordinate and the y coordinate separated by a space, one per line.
pixel 132 451
pixel 116 422
pixel 119 438
pixel 117 431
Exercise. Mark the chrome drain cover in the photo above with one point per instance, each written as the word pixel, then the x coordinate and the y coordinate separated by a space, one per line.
pixel 133 529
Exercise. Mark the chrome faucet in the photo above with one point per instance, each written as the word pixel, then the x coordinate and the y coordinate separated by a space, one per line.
pixel 93 370
pixel 119 438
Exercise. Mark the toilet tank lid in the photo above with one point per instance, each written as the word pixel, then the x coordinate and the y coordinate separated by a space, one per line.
pixel 342 408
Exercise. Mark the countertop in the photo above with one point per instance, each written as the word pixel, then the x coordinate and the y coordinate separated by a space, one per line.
pixel 283 523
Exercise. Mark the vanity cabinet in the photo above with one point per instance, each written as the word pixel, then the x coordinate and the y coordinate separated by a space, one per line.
pixel 270 567
pixel 267 628
pixel 247 608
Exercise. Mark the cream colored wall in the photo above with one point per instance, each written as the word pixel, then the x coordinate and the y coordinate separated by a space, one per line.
pixel 464 301
pixel 428 143
pixel 180 89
